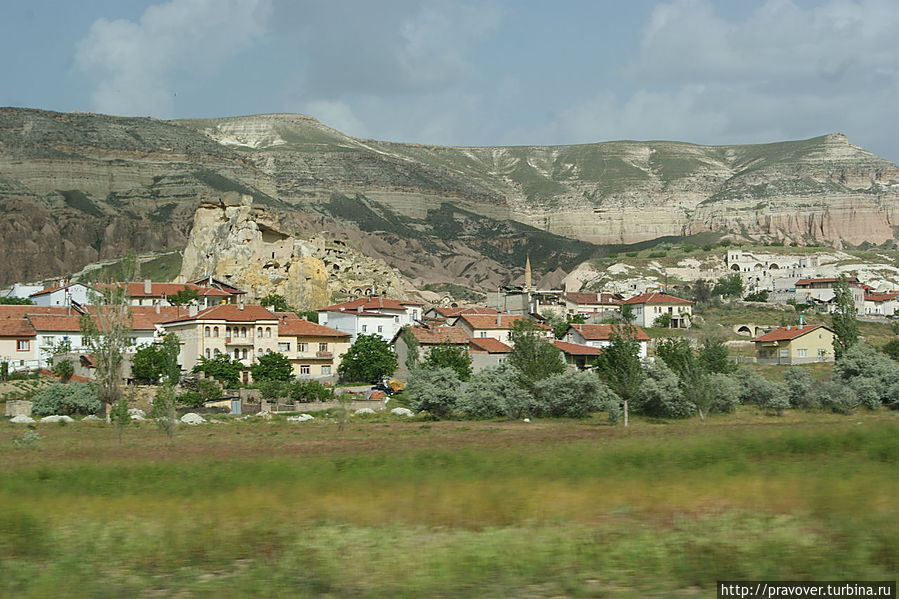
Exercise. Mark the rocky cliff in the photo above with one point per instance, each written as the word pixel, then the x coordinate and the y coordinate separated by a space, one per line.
pixel 79 187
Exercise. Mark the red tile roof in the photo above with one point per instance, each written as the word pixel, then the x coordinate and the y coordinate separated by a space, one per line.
pixel 488 344
pixel 802 282
pixel 291 325
pixel 576 349
pixel 450 312
pixel 881 297
pixel 487 321
pixel 45 322
pixel 602 299
pixel 367 304
pixel 229 313
pixel 146 318
pixel 204 282
pixel 16 327
pixel 440 334
pixel 787 333
pixel 656 298
pixel 602 332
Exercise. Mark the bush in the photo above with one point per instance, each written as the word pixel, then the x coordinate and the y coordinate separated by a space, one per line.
pixel 872 375
pixel 191 399
pixel 435 391
pixel 272 389
pixel 867 392
pixel 495 392
pixel 660 395
pixel 573 395
pixel 836 397
pixel 208 389
pixel 74 398
pixel 63 369
pixel 761 392
pixel 727 393
pixel 272 367
pixel 309 390
pixel 662 321
pixel 798 385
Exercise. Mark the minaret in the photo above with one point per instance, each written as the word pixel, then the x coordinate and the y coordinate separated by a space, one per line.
pixel 527 274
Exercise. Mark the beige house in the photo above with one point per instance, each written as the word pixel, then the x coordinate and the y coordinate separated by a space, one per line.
pixel 795 345
pixel 497 326
pixel 426 337
pixel 649 307
pixel 314 350
pixel 591 302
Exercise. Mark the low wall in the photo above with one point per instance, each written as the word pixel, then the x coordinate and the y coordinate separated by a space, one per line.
pixel 18 407
pixel 316 406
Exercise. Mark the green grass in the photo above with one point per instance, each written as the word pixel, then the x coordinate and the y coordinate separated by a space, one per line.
pixel 449 509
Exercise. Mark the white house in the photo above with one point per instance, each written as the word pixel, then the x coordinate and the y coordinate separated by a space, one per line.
pixel 649 307
pixel 64 294
pixel 598 335
pixel 370 316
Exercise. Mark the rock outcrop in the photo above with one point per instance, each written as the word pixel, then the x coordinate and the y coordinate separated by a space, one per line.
pixel 257 250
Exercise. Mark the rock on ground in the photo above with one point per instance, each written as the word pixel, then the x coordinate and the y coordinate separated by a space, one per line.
pixel 300 418
pixel 91 418
pixel 363 411
pixel 57 418
pixel 192 418
pixel 22 419
pixel 137 414
pixel 402 412
pixel 265 415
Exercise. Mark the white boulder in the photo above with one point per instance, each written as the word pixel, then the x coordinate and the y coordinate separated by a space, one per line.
pixel 300 418
pixel 22 419
pixel 265 415
pixel 192 418
pixel 363 411
pixel 402 412
pixel 91 418
pixel 137 414
pixel 57 418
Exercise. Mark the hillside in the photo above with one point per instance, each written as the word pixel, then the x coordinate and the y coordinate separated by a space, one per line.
pixel 76 188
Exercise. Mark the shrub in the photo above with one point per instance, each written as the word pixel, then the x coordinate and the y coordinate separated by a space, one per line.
pixel 449 356
pixel 836 397
pixel 435 391
pixel 798 385
pixel 573 395
pixel 727 393
pixel 63 369
pixel 662 321
pixel 164 410
pixel 208 389
pixel 495 392
pixel 761 392
pixel 191 399
pixel 309 390
pixel 660 395
pixel 867 392
pixel 74 398
pixel 874 376
pixel 272 389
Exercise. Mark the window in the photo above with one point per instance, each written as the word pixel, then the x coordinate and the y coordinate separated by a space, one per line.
pixel 259 332
pixel 216 352
pixel 396 319
pixel 283 347
pixel 304 369
pixel 268 332
pixel 207 353
pixel 801 353
pixel 364 328
pixel 49 340
pixel 23 345
pixel 483 334
pixel 244 352
pixel 243 331
pixel 268 350
pixel 227 331
pixel 132 341
pixel 301 347
pixel 380 328
pixel 236 354
pixel 206 332
pixel 322 347
pixel 822 353
pixel 215 331
pixel 326 370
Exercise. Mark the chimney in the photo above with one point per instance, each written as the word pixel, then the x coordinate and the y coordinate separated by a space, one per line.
pixel 192 310
pixel 499 318
pixel 148 287
pixel 240 303
pixel 157 307
pixel 359 309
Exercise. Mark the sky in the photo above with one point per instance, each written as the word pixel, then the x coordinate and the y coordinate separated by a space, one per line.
pixel 473 73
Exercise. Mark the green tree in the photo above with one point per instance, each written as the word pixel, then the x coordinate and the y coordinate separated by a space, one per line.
pixel 412 345
pixel 714 357
pixel 310 315
pixel 157 360
pixel 221 368
pixel 368 359
pixel 16 301
pixel 63 346
pixel 532 356
pixel 574 395
pixel 628 316
pixel 661 394
pixel 449 356
pixel 702 293
pixel 845 326
pixel 561 323
pixel 163 411
pixel 64 369
pixel 184 297
pixel 758 296
pixel 120 416
pixel 619 364
pixel 272 367
pixel 662 321
pixel 275 301
pixel 729 286
pixel 496 392
pixel 434 391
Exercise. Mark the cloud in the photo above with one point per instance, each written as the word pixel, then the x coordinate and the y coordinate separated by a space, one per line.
pixel 781 72
pixel 133 63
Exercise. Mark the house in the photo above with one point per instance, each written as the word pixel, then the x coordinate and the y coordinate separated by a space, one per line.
pixel 580 357
pixel 314 350
pixel 451 315
pixel 881 304
pixel 649 307
pixel 498 326
pixel 820 291
pixel 425 338
pixel 220 285
pixel 242 332
pixel 20 344
pixel 599 335
pixel 487 352
pixel 374 315
pixel 64 294
pixel 795 345
pixel 591 302
pixel 149 293
pixel 22 290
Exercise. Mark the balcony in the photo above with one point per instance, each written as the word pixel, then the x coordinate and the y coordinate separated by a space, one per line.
pixel 324 354
pixel 235 340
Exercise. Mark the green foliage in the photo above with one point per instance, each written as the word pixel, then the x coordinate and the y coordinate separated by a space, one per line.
pixel 74 398
pixel 272 388
pixel 872 375
pixel 278 302
pixel 573 394
pixel 694 369
pixel 434 391
pixel 221 368
pixel 63 369
pixel 765 394
pixel 837 397
pixel 163 411
pixel 308 390
pixel 560 324
pixel 63 346
pixel 449 356
pixel 726 393
pixel 310 315
pixel 729 286
pixel 272 367
pixel 157 360
pixel 713 356
pixel 184 297
pixel 798 384
pixel 662 321
pixel 16 301
pixel 4 370
pixel 496 392
pixel 628 316
pixel 891 348
pixel 412 345
pixel 119 416
pixel 845 326
pixel 702 293
pixel 191 399
pixel 660 394
pixel 208 389
pixel 532 356
pixel 369 359
pixel 619 365
pixel 758 296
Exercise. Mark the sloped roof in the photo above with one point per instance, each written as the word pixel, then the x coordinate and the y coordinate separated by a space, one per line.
pixel 576 349
pixel 291 325
pixel 169 289
pixel 488 321
pixel 55 288
pixel 47 322
pixel 488 344
pixel 228 313
pixel 205 282
pixel 850 280
pixel 146 318
pixel 602 332
pixel 787 333
pixel 367 304
pixel 450 312
pixel 440 334
pixel 16 327
pixel 656 298
pixel 603 299
pixel 874 296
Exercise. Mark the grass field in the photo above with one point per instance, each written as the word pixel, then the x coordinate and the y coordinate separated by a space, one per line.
pixel 390 508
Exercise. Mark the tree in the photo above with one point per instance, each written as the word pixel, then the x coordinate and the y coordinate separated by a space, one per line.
pixel 221 368
pixel 16 301
pixel 106 333
pixel 152 362
pixel 496 392
pixel 758 296
pixel 120 416
pixel 628 316
pixel 619 364
pixel 412 345
pixel 532 356
pixel 275 301
pixel 163 411
pixel 560 324
pixel 845 326
pixel 434 391
pixel 714 357
pixel 729 286
pixel 184 297
pixel 369 359
pixel 63 346
pixel 449 356
pixel 272 367
pixel 310 315
pixel 702 293
pixel 63 369
pixel 574 395
pixel 662 321
pixel 660 394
